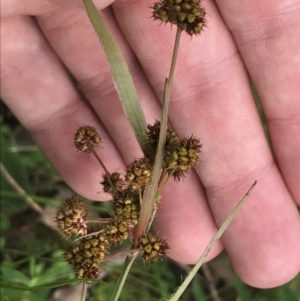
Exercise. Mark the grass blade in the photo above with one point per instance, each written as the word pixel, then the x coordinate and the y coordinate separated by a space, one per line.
pixel 120 73
pixel 219 233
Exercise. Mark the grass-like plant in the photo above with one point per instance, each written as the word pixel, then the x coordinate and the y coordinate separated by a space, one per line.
pixel 137 193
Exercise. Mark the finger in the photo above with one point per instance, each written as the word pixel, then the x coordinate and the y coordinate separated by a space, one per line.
pixel 88 64
pixel 268 37
pixel 39 7
pixel 75 41
pixel 37 88
pixel 212 96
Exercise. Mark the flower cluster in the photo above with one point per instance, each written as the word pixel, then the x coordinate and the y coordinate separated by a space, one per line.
pixel 153 248
pixel 71 217
pixel 139 173
pixel 188 15
pixel 117 182
pixel 127 208
pixel 180 155
pixel 86 139
pixel 87 256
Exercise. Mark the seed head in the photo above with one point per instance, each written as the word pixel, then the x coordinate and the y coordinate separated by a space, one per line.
pixel 127 208
pixel 138 173
pixel 86 138
pixel 117 230
pixel 87 256
pixel 152 136
pixel 71 216
pixel 153 248
pixel 188 15
pixel 184 157
pixel 117 181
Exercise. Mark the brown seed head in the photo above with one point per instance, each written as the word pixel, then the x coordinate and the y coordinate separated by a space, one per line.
pixel 188 15
pixel 153 247
pixel 117 230
pixel 184 158
pixel 138 174
pixel 152 136
pixel 117 180
pixel 86 138
pixel 127 208
pixel 71 216
pixel 87 256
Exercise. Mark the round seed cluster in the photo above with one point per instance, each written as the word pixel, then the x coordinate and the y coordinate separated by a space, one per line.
pixel 153 248
pixel 152 136
pixel 188 15
pixel 180 155
pixel 71 217
pixel 184 157
pixel 127 209
pixel 86 138
pixel 117 230
pixel 117 181
pixel 87 256
pixel 138 173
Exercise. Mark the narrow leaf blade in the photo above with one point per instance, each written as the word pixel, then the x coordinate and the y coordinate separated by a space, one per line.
pixel 120 73
pixel 189 278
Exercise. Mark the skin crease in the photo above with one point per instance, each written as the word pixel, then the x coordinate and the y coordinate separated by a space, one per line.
pixel 211 99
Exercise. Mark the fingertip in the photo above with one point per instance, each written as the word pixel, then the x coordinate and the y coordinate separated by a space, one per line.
pixel 272 274
pixel 271 258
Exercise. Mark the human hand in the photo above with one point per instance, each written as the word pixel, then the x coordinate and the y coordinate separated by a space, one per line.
pixel 211 98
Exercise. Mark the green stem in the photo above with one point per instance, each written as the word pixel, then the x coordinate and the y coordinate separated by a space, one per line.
pixel 150 191
pixel 121 281
pixel 115 191
pixel 128 252
pixel 219 233
pixel 158 194
pixel 29 200
pixel 163 184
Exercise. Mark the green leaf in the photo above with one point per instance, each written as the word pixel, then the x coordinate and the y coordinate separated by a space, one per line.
pixel 51 285
pixel 53 272
pixel 10 294
pixel 120 73
pixel 10 275
pixel 286 293
pixel 4 222
pixel 242 289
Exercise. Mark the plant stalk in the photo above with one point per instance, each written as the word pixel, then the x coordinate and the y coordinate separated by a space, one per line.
pixel 115 191
pixel 121 281
pixel 83 291
pixel 20 190
pixel 150 191
pixel 191 275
